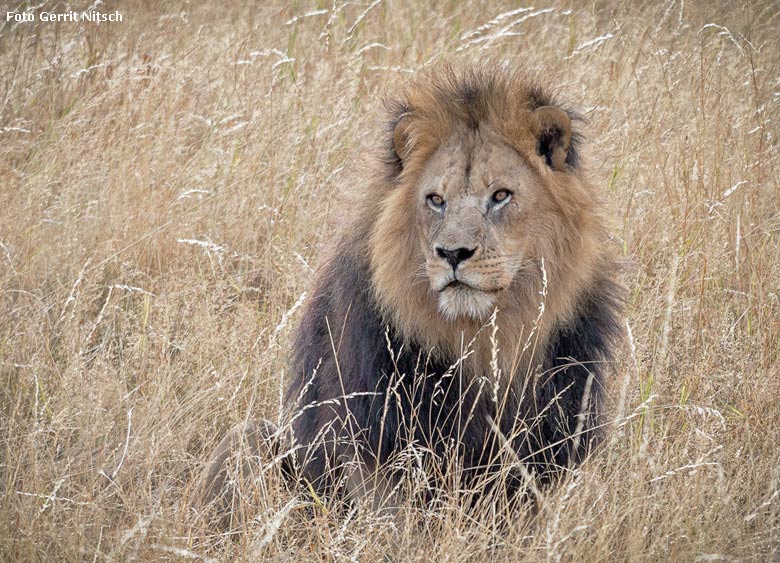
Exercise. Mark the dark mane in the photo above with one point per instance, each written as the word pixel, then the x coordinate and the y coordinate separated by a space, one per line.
pixel 398 394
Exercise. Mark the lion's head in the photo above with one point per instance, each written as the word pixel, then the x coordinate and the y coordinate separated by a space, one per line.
pixel 484 201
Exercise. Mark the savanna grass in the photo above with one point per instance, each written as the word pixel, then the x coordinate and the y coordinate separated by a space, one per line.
pixel 168 183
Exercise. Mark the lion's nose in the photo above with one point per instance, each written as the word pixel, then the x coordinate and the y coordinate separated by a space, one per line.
pixel 455 256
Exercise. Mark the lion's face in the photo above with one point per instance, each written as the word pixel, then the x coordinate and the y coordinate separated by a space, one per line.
pixel 474 200
pixel 484 189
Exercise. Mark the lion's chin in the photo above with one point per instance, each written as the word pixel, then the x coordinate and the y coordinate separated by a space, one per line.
pixel 465 302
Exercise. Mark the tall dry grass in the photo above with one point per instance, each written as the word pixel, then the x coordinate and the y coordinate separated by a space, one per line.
pixel 166 184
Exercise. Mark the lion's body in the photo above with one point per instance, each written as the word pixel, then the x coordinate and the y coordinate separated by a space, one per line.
pixel 387 412
pixel 382 360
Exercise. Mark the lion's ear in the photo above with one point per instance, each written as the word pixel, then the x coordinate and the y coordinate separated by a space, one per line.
pixel 553 134
pixel 401 138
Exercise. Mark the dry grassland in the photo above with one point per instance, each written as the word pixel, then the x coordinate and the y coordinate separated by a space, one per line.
pixel 168 183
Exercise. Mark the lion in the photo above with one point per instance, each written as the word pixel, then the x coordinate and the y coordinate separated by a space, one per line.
pixel 467 313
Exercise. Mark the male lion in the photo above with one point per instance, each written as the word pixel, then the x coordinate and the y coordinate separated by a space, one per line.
pixel 467 313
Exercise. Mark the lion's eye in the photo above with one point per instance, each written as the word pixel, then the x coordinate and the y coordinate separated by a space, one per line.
pixel 500 196
pixel 435 201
